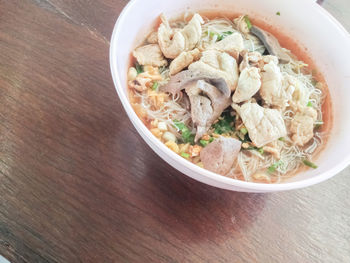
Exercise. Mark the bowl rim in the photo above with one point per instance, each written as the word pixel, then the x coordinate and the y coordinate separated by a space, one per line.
pixel 227 181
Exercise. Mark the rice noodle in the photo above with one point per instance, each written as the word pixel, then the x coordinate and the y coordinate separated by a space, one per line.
pixel 171 110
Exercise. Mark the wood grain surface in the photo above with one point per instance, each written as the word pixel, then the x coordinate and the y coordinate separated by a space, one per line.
pixel 78 184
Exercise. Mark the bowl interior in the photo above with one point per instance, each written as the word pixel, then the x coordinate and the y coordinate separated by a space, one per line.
pixel 325 39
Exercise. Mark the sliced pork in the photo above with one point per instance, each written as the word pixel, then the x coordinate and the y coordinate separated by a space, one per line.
pixel 220 155
pixel 271 43
pixel 207 104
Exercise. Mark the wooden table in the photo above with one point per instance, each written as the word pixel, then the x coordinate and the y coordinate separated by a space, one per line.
pixel 78 184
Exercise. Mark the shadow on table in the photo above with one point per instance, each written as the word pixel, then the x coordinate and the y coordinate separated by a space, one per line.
pixel 201 212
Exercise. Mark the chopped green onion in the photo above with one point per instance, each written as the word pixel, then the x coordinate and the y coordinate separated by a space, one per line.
pixel 281 139
pixel 186 134
pixel 219 37
pixel 225 124
pixel 310 164
pixel 244 131
pixel 212 34
pixel 309 104
pixel 247 21
pixel 162 69
pixel 139 68
pixel 185 155
pixel 241 137
pixel 278 13
pixel 190 139
pixel 274 167
pixel 204 143
pixel 252 148
pixel 155 86
pixel 224 34
pixel 211 139
pixel 179 125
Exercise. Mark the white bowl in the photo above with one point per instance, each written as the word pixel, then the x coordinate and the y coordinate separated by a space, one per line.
pixel 328 44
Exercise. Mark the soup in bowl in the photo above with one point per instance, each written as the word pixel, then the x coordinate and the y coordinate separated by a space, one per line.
pixel 235 95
